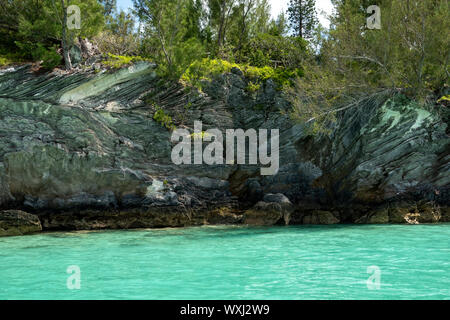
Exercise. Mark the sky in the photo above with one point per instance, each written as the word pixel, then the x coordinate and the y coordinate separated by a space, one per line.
pixel 277 7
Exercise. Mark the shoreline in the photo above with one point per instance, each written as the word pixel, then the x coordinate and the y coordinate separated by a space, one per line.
pixel 218 226
pixel 18 223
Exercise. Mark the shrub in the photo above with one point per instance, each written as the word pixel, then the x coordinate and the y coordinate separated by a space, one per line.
pixel 50 57
pixel 116 62
pixel 182 56
pixel 163 119
pixel 8 57
pixel 275 51
pixel 253 87
pixel 207 69
pixel 5 60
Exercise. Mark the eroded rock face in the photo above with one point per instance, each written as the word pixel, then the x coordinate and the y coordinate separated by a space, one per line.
pixel 393 151
pixel 83 152
pixel 18 223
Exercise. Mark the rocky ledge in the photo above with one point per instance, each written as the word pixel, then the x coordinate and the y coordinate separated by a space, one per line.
pixel 83 151
pixel 18 223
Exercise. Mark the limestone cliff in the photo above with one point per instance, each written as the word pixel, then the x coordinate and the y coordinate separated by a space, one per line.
pixel 82 151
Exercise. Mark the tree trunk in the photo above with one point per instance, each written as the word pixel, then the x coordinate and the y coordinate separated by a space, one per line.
pixel 221 25
pixel 64 41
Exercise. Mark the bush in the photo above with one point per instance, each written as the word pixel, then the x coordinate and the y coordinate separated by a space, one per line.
pixel 107 41
pixel 9 58
pixel 38 52
pixel 116 62
pixel 207 69
pixel 163 119
pixel 268 50
pixel 253 87
pixel 50 57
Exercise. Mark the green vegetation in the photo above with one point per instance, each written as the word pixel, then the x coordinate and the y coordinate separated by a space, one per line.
pixel 303 17
pixel 207 69
pixel 200 135
pixel 49 57
pixel 253 87
pixel 8 58
pixel 444 99
pixel 116 62
pixel 119 36
pixel 164 119
pixel 31 28
pixel 408 55
pixel 194 41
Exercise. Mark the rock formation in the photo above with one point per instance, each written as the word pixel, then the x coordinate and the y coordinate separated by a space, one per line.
pixel 82 151
pixel 18 223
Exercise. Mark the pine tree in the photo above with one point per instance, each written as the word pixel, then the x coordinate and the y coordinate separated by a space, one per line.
pixel 110 6
pixel 302 17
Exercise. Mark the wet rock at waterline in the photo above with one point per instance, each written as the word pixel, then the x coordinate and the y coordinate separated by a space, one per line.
pixel 274 209
pixel 18 223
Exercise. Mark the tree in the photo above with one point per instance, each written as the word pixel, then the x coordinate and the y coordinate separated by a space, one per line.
pixel 92 22
pixel 275 51
pixel 220 14
pixel 64 35
pixel 247 19
pixel 279 27
pixel 302 17
pixel 109 6
pixel 260 18
pixel 407 53
pixel 244 9
pixel 169 33
pixel 120 36
pixel 42 24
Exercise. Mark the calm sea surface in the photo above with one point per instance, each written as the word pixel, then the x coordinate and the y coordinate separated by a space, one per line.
pixel 335 262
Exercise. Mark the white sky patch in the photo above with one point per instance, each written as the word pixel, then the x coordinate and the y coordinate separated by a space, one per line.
pixel 323 8
pixel 124 4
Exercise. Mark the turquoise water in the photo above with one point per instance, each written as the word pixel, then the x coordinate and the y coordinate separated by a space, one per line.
pixel 231 263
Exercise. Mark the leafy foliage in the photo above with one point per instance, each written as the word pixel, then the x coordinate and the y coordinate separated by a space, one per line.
pixel 196 40
pixel 28 26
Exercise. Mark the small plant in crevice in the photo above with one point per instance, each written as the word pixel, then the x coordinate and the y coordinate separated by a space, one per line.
pixel 164 119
